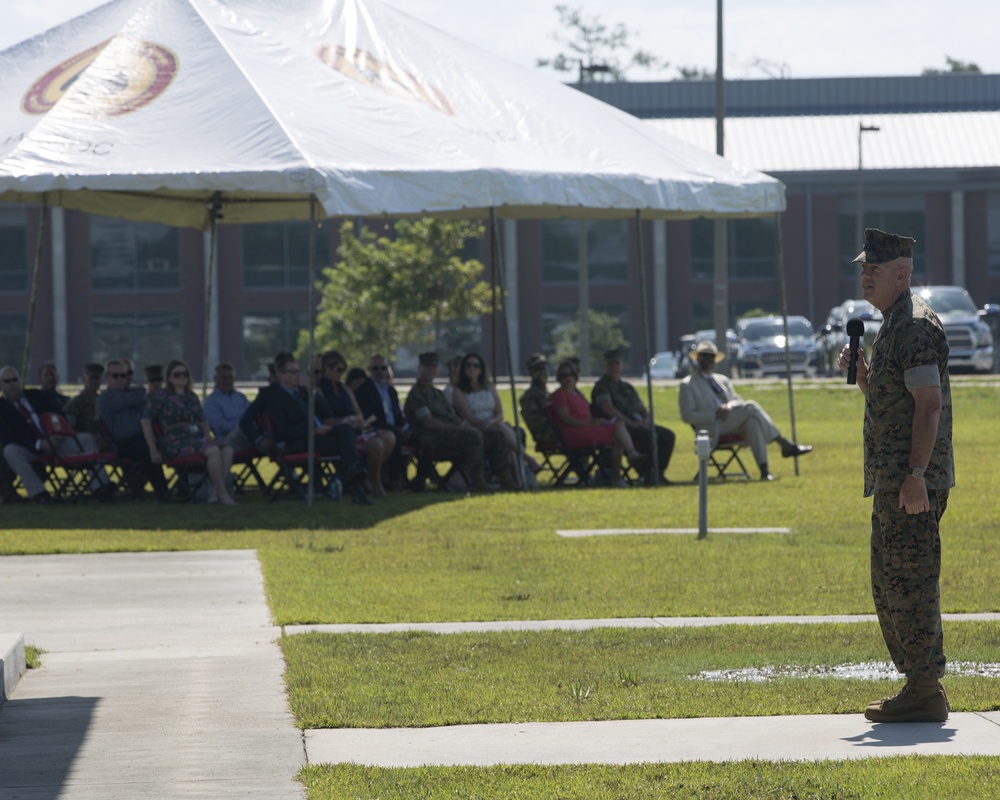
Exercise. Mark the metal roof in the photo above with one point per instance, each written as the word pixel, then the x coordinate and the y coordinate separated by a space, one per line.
pixel 934 140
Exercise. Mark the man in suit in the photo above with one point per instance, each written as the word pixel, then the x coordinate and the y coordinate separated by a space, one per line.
pixel 287 405
pixel 709 401
pixel 378 398
pixel 20 427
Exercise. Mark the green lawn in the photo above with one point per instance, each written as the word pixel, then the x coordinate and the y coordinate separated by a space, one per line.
pixel 434 557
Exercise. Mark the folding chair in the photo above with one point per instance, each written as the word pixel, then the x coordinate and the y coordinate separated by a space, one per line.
pixel 427 462
pixel 292 475
pixel 725 457
pixel 190 473
pixel 70 475
pixel 583 462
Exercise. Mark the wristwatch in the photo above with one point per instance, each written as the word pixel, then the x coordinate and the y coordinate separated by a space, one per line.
pixel 918 472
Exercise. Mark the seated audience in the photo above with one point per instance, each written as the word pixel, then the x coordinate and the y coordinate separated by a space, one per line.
pixel 225 407
pixel 377 444
pixel 120 407
pixel 48 384
pixel 476 401
pixel 378 398
pixel 710 402
pixel 81 411
pixel 437 427
pixel 174 425
pixel 580 430
pixel 613 398
pixel 20 429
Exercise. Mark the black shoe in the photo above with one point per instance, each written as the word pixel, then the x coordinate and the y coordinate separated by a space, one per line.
pixel 358 496
pixel 796 450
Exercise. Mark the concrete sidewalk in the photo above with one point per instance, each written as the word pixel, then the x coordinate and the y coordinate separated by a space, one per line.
pixel 161 679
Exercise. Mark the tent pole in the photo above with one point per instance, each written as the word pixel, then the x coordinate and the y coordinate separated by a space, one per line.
pixel 36 274
pixel 644 316
pixel 784 319
pixel 497 258
pixel 311 355
pixel 214 208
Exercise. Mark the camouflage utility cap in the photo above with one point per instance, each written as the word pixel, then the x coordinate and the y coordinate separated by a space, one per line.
pixel 882 247
pixel 614 355
pixel 537 362
pixel 428 359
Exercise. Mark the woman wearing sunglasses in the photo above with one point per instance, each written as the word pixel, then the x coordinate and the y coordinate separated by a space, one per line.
pixel 579 429
pixel 174 426
pixel 477 402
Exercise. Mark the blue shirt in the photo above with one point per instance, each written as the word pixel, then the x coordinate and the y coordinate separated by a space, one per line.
pixel 223 410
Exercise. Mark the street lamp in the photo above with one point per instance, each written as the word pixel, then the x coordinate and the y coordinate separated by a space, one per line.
pixel 859 221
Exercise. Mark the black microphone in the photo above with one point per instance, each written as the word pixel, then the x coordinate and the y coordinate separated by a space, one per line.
pixel 855 329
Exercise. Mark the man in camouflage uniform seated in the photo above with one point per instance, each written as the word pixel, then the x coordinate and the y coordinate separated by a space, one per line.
pixel 437 427
pixel 534 400
pixel 613 397
pixel 909 470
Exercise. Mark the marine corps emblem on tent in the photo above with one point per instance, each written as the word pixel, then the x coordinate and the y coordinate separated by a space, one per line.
pixel 364 68
pixel 133 74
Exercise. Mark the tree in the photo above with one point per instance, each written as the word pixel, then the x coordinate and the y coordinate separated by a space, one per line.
pixel 595 50
pixel 605 334
pixel 954 66
pixel 386 292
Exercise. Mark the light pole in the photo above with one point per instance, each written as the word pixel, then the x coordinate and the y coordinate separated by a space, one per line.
pixel 859 220
pixel 591 70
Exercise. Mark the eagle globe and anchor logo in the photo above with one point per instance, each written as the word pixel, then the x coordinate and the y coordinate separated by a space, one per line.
pixel 145 70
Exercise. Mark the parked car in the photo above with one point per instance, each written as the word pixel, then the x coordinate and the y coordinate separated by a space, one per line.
pixel 761 347
pixel 833 336
pixel 666 365
pixel 970 339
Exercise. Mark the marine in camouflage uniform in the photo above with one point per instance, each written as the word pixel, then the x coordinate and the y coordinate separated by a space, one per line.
pixel 534 400
pixel 437 427
pixel 625 402
pixel 908 476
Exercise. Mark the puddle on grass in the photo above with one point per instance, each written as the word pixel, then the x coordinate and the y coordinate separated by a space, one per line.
pixel 869 671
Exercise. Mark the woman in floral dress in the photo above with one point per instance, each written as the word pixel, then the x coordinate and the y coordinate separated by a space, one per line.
pixel 174 426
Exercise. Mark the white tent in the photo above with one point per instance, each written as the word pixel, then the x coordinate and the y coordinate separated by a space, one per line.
pixel 146 109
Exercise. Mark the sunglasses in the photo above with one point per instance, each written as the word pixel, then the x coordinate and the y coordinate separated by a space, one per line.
pixel 179 373
pixel 474 365
pixel 11 380
pixel 338 368
pixel 378 369
pixel 117 374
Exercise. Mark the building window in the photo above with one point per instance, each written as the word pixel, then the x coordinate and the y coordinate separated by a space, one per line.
pixel 276 255
pixel 133 256
pixel 146 338
pixel 993 232
pixel 13 250
pixel 267 333
pixel 13 330
pixel 906 222
pixel 753 251
pixel 607 251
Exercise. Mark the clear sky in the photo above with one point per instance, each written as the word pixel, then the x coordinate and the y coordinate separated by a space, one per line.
pixel 796 38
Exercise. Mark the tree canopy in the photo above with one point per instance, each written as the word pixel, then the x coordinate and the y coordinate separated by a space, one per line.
pixel 954 66
pixel 397 290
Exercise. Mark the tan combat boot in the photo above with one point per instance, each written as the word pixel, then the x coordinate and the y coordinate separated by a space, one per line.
pixel 920 700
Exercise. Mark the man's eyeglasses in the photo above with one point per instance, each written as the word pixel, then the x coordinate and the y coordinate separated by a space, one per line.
pixel 15 379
